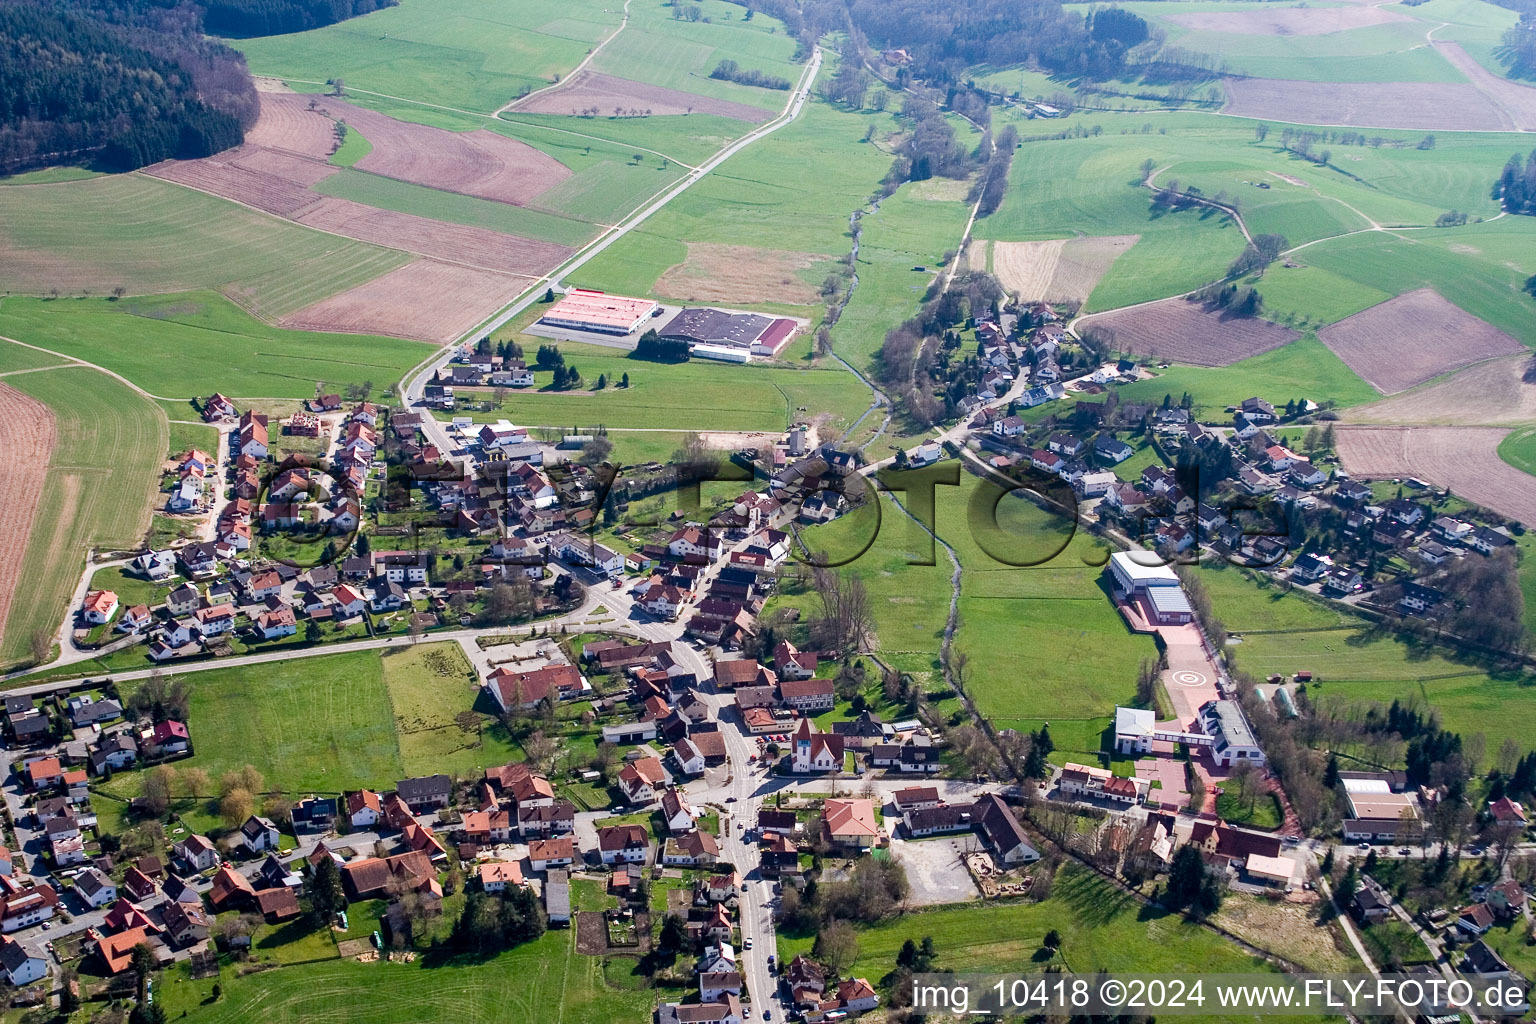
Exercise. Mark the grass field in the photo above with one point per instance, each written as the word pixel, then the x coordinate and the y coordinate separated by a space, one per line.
pixel 322 723
pixel 1359 664
pixel 1519 449
pixel 1054 603
pixel 1101 928
pixel 430 686
pixel 1246 601
pixel 765 192
pixel 456 53
pixel 1305 368
pixel 104 467
pixel 196 343
pixel 522 986
pixel 148 236
pixel 662 50
pixel 352 149
pixel 720 396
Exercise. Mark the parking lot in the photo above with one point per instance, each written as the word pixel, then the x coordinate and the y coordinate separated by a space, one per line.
pixel 934 870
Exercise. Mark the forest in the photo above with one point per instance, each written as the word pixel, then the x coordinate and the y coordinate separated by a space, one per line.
pixel 273 17
pixel 121 83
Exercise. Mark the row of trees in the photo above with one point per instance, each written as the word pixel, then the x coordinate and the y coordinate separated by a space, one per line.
pixel 124 83
pixel 730 71
pixel 992 186
pixel 653 349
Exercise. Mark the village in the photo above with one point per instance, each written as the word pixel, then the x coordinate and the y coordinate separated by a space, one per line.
pixel 720 731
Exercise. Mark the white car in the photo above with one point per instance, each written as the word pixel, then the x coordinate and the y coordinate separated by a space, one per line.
pixel 746 943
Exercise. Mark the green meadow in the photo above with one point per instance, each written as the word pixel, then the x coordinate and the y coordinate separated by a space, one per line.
pixel 146 235
pixel 455 53
pixel 199 342
pixel 1101 928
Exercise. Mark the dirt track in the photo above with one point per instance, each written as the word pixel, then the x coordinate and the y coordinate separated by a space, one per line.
pixel 27 436
pixel 1463 459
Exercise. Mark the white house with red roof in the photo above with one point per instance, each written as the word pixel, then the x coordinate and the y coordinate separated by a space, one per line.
pixel 99 606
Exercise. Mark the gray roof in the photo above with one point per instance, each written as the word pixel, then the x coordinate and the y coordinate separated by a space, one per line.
pixel 716 327
pixel 1229 724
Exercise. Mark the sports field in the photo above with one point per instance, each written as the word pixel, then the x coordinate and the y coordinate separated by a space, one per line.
pixel 144 235
pixel 193 344
pixel 104 467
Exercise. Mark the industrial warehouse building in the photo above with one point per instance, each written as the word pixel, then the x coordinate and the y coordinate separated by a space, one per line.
pixel 733 337
pixel 1154 588
pixel 582 310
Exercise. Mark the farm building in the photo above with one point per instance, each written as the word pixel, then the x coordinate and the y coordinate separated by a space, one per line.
pixel 584 310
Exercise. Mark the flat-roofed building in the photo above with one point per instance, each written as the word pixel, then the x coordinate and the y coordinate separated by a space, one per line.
pixel 584 310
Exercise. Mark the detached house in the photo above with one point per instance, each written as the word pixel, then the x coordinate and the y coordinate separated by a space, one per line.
pixel 623 844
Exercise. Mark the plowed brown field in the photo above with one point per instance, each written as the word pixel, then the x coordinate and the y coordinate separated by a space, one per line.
pixel 27 435
pixel 1287 21
pixel 455 243
pixel 287 166
pixel 1413 338
pixel 1488 394
pixel 1186 332
pixel 425 300
pixel 1416 105
pixel 266 192
pixel 478 163
pixel 286 122
pixel 588 89
pixel 1463 459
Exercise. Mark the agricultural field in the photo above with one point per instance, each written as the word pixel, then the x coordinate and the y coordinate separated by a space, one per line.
pixel 657 48
pixel 1519 449
pixel 1303 369
pixel 426 300
pixel 108 444
pixel 73 236
pixel 1463 459
pixel 454 54
pixel 1402 342
pixel 320 724
pixel 1058 270
pixel 743 275
pixel 1184 331
pixel 195 343
pixel 1491 393
pixel 27 437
